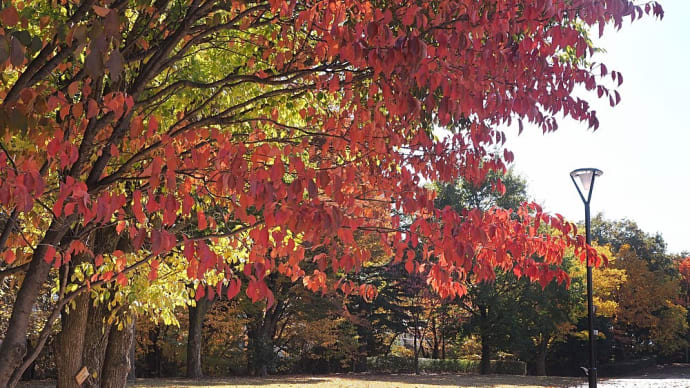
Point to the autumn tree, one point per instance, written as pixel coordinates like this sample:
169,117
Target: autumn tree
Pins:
648,317
650,247
684,270
545,316
490,301
296,117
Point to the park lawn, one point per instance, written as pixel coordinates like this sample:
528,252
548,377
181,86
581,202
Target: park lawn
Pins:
367,381
352,381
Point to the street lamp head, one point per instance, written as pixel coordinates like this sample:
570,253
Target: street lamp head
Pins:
586,177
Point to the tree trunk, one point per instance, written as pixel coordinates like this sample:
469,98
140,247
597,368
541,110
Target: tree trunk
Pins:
541,363
261,353
132,375
416,347
542,349
443,344
196,320
13,346
96,343
117,361
70,342
435,338
261,350
485,363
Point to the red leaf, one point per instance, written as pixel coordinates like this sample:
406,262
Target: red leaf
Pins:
77,110
16,52
9,16
9,256
50,254
122,279
101,11
137,208
200,292
73,89
153,274
234,287
153,125
170,210
201,219
4,49
92,109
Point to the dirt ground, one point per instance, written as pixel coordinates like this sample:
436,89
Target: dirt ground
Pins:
375,381
669,376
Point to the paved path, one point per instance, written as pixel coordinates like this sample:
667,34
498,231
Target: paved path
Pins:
666,376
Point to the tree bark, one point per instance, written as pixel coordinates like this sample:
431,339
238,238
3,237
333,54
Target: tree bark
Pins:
132,375
435,337
541,363
542,349
194,339
443,344
70,342
261,353
416,347
117,362
13,346
485,363
95,343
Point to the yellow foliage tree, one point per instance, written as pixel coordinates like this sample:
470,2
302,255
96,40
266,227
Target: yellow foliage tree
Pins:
647,315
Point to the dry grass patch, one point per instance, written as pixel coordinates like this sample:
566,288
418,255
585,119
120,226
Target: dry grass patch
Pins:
367,381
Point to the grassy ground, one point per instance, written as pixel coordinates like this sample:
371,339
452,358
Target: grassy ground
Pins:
353,381
662,376
368,381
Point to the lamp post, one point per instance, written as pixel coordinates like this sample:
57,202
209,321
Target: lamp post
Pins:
587,177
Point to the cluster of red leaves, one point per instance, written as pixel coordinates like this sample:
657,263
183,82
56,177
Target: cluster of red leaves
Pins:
392,73
684,269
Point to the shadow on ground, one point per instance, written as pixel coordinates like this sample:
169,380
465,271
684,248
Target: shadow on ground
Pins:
668,376
368,381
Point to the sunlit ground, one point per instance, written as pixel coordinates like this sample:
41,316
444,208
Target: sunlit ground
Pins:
669,376
373,381
357,381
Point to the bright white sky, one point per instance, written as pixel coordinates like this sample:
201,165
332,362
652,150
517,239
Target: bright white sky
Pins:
642,145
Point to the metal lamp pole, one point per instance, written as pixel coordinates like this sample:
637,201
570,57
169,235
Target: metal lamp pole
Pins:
587,177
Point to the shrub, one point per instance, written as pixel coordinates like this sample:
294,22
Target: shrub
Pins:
393,364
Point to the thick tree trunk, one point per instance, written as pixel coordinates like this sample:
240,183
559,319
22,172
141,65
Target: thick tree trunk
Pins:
196,320
96,343
153,357
542,349
13,347
70,342
485,363
117,362
261,353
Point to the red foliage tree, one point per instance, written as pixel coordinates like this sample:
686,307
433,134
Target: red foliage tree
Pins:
316,121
